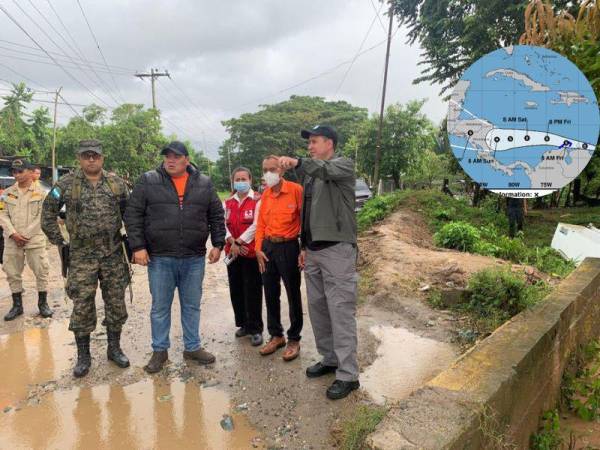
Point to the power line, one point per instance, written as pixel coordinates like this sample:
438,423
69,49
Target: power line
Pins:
50,56
193,104
47,63
153,75
358,52
120,69
378,16
99,49
308,80
24,77
204,120
61,49
74,51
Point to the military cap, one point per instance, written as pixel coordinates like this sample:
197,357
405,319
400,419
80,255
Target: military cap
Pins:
20,164
90,145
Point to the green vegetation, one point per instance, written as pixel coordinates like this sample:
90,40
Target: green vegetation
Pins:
501,294
353,431
483,230
458,235
131,135
549,437
582,391
377,209
275,129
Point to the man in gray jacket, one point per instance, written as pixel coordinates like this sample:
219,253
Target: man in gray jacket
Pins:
329,256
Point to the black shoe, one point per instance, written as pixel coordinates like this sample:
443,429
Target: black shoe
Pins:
45,310
17,307
319,369
157,361
84,359
340,389
256,339
114,352
241,332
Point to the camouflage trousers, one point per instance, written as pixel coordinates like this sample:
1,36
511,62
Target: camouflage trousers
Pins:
86,269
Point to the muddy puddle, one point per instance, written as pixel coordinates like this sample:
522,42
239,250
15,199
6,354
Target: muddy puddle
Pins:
150,414
33,356
405,361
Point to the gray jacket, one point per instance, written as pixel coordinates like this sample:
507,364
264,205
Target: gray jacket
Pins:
332,216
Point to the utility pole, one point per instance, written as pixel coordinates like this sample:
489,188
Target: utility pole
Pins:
229,164
54,170
153,75
381,111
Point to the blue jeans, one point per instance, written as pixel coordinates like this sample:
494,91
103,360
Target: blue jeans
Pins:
166,273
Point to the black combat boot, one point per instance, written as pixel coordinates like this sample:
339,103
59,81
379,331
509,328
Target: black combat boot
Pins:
17,307
84,359
114,352
45,310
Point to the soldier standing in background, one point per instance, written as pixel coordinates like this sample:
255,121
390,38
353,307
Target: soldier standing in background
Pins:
95,202
516,209
20,220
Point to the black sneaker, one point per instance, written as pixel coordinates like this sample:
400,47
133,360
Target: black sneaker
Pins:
319,369
241,332
256,339
340,389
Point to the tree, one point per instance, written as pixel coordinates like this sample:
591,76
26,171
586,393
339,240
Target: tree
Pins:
576,35
42,135
15,135
455,33
275,129
428,166
406,133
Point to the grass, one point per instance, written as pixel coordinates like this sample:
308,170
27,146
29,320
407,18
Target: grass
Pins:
454,219
541,224
354,430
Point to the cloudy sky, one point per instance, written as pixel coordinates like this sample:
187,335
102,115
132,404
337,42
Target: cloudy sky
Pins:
224,57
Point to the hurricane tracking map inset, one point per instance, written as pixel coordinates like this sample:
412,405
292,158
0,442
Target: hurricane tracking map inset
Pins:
523,121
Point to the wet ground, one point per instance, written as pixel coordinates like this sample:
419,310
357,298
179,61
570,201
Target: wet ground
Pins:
242,401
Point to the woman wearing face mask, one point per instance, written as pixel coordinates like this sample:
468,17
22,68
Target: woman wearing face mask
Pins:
245,286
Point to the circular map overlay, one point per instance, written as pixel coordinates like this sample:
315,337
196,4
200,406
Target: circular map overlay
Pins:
523,121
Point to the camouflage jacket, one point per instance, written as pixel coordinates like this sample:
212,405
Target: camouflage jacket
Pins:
93,213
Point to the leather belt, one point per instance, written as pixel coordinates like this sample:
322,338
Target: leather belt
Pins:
279,239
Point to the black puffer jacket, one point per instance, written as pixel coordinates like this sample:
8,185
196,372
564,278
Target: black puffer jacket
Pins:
155,221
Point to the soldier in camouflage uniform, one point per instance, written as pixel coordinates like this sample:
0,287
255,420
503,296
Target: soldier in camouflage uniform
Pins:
95,202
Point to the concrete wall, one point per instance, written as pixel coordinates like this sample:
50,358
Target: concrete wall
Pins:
495,393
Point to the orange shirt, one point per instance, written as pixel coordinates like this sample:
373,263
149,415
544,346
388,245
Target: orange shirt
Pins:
180,183
279,214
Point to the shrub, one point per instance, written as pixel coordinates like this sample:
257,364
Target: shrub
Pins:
550,261
458,235
549,437
376,209
499,290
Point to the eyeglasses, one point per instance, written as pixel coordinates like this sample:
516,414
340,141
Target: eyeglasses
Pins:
90,156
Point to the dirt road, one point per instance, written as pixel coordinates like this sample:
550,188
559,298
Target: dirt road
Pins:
270,403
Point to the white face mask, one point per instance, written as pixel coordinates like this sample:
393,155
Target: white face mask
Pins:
271,178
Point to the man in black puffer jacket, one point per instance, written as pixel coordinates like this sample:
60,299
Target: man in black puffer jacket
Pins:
169,217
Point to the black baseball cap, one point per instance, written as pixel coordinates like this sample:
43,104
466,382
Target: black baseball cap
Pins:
175,147
20,164
321,130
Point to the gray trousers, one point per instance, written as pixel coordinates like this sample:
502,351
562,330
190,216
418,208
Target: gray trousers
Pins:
331,287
